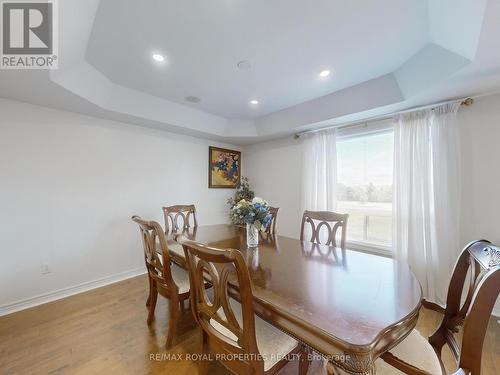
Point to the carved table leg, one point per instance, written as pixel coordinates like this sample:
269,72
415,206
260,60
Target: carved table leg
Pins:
355,364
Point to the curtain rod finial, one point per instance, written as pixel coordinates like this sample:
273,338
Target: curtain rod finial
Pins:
468,102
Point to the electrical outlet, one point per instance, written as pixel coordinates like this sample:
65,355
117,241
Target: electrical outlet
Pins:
45,269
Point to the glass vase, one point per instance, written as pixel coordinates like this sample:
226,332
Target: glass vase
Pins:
252,236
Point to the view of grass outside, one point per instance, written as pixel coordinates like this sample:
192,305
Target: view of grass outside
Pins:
365,167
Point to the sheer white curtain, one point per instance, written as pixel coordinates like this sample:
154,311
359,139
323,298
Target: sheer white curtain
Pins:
427,196
319,171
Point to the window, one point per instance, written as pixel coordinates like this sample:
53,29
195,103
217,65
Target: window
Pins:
365,166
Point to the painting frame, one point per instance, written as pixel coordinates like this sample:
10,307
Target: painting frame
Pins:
231,185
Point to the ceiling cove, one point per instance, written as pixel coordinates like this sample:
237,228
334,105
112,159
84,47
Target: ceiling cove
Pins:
250,70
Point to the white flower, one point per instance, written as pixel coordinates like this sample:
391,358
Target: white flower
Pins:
259,200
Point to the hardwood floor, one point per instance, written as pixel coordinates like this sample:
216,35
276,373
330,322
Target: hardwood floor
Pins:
104,331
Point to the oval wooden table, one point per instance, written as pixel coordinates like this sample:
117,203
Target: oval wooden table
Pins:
348,305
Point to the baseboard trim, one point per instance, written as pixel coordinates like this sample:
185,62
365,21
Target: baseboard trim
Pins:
68,291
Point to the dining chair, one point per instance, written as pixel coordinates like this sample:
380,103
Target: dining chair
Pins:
172,214
186,214
319,219
415,355
231,329
166,279
271,227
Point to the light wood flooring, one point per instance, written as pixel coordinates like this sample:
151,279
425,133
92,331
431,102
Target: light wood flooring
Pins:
104,331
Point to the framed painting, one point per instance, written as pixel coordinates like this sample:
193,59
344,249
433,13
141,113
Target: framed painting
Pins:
224,168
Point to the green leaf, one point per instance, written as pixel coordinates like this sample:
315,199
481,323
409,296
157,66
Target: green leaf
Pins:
258,224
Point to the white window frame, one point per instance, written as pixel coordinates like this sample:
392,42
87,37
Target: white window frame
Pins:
357,131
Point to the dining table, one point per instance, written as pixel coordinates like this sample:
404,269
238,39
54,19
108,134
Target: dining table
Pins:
348,305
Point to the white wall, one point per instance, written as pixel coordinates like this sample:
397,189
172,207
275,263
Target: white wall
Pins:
274,169
68,187
481,170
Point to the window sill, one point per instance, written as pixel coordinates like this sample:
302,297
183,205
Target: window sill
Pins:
371,248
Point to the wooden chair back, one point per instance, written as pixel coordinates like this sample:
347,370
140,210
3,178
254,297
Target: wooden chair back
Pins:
330,220
184,213
158,267
271,227
218,266
481,261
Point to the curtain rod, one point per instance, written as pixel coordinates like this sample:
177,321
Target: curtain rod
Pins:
464,101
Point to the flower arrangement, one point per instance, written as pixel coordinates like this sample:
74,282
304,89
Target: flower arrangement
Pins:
254,212
243,191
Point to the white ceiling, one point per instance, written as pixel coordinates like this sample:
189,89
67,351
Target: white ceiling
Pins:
287,42
384,56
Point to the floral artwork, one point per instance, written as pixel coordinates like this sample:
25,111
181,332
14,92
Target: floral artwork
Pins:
224,168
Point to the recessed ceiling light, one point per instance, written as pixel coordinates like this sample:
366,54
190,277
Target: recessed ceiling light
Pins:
244,65
254,102
158,57
324,73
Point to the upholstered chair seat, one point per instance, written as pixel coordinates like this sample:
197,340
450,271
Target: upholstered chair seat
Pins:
273,344
176,248
415,350
180,275
181,278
